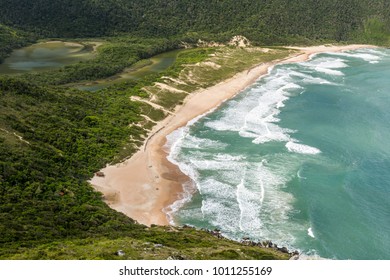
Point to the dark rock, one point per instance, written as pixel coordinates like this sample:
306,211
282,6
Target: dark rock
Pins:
176,257
283,250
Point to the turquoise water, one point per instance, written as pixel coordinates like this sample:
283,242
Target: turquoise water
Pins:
301,158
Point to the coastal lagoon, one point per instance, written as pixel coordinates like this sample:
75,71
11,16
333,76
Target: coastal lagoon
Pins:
53,55
301,158
141,69
44,56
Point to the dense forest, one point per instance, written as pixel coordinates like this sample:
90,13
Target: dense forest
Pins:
264,21
45,165
44,193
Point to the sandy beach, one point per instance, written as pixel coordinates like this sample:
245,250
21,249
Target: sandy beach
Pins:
142,186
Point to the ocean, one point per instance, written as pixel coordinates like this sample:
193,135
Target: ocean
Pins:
301,158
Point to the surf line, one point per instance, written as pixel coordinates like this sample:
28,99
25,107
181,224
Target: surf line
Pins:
170,185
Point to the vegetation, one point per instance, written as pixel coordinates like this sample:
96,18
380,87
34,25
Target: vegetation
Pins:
52,141
262,21
10,39
54,137
204,67
112,57
375,32
155,243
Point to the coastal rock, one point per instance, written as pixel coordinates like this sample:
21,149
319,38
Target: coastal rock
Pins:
176,257
120,253
268,244
239,41
283,250
100,174
294,258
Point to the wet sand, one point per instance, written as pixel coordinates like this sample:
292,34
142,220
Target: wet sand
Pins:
147,183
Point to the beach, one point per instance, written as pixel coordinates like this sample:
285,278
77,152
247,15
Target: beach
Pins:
144,185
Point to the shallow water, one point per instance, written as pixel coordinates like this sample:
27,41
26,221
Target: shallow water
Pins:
157,64
44,56
301,158
53,55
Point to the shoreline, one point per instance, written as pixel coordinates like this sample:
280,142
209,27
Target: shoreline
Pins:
147,183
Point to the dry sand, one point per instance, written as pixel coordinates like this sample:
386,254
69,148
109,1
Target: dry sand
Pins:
142,186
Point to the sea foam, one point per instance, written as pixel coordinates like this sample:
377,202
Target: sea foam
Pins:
369,57
310,232
301,149
329,66
251,115
248,167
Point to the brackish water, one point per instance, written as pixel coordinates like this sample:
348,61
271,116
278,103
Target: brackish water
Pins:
157,63
44,56
53,55
301,158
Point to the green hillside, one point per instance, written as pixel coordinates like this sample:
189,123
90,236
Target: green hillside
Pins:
48,210
264,21
54,137
11,38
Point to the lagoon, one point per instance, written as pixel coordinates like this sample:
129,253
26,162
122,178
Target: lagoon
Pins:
139,70
45,56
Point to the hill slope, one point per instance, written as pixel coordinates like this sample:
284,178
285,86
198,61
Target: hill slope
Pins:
44,165
11,38
265,21
52,139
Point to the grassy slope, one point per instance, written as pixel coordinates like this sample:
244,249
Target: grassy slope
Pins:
155,243
201,68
